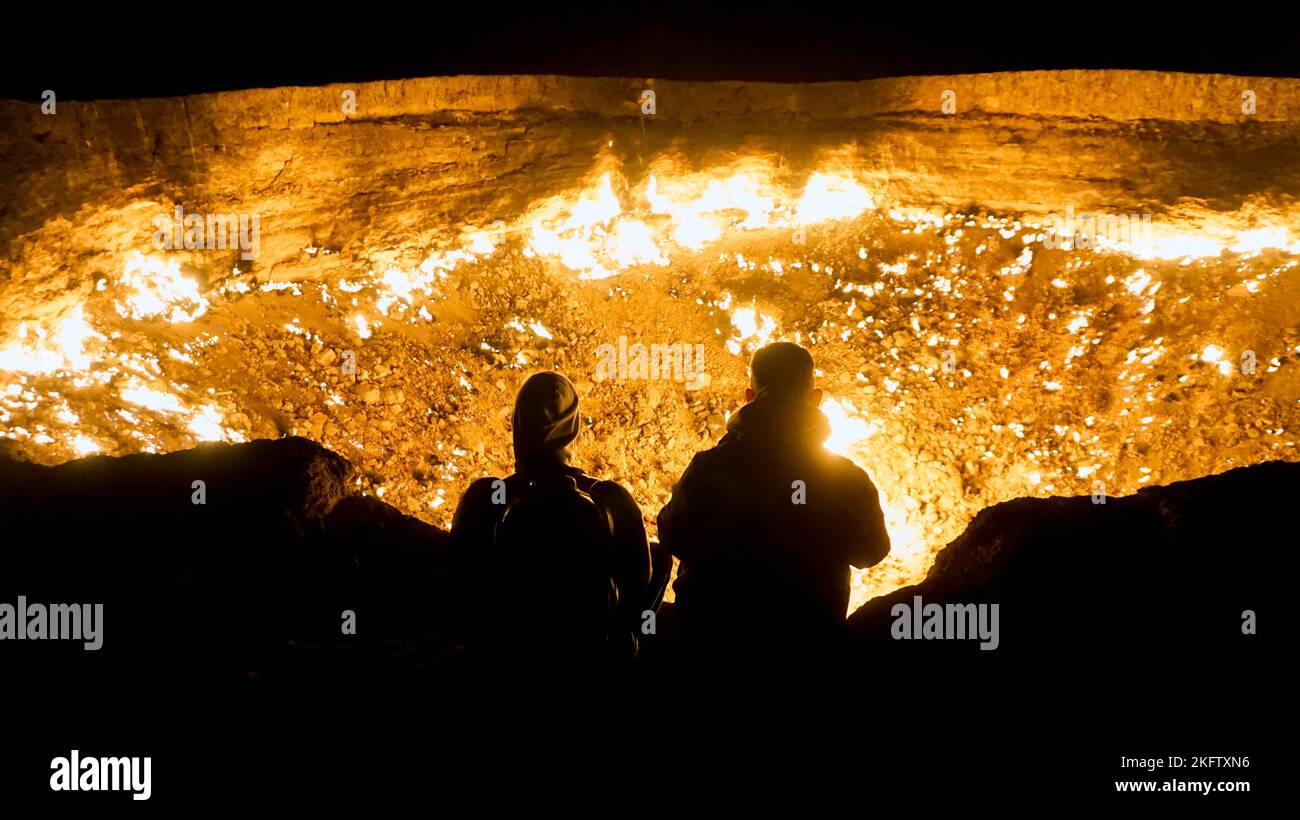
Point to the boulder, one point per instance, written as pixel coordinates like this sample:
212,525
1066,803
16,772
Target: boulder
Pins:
222,556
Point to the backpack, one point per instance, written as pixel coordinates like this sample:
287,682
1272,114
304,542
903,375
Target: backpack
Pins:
552,549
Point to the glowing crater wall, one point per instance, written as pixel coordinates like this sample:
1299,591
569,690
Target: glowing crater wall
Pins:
456,234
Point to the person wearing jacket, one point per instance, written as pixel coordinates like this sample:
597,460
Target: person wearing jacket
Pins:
767,524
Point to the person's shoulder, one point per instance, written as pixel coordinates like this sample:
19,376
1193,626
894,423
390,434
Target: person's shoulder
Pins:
720,453
705,468
482,485
476,507
607,489
482,490
614,497
848,471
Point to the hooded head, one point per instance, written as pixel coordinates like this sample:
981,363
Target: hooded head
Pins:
545,421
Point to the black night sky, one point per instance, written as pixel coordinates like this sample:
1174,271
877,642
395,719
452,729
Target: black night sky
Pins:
172,51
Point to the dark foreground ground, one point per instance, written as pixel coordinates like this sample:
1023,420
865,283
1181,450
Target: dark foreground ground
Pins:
222,660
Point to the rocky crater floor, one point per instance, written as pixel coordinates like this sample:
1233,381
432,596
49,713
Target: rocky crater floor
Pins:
418,257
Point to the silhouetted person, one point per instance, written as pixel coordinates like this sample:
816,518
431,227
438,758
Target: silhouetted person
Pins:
558,559
767,524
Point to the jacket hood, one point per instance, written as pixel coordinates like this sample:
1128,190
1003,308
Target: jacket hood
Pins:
779,419
545,420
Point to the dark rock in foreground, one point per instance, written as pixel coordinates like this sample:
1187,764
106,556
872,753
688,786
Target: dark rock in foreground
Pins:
1120,628
1164,573
268,563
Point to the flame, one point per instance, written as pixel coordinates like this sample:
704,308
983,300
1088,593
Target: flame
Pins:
155,287
362,327
907,545
205,422
39,352
1164,243
1176,246
599,236
208,425
598,209
84,445
848,429
753,329
633,243
692,215
1261,239
1213,354
138,394
832,197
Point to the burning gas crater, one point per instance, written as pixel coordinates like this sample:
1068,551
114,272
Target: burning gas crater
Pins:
966,361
